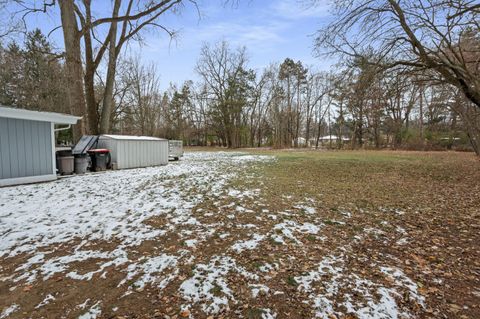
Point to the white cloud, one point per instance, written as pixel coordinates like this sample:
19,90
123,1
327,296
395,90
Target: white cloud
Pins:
250,35
299,9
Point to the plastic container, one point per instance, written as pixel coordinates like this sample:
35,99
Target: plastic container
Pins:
65,165
81,164
100,159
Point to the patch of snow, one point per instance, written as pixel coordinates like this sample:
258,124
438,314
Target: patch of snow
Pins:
345,213
115,205
232,204
153,269
247,226
330,285
323,306
250,193
402,280
56,265
191,242
306,209
84,304
385,308
328,265
9,310
45,301
268,314
257,289
394,211
209,286
248,244
269,267
278,239
289,227
92,313
374,231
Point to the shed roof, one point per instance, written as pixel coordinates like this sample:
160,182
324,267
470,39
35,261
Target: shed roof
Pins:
23,114
132,137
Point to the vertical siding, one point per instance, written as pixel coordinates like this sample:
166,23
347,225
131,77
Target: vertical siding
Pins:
25,148
136,153
4,156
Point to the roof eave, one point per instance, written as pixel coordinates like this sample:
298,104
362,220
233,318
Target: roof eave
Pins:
22,114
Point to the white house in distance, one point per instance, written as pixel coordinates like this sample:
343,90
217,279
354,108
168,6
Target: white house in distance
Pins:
27,145
327,139
333,138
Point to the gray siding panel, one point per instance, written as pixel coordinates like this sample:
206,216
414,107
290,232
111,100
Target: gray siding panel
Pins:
12,147
22,155
4,157
136,153
25,148
28,131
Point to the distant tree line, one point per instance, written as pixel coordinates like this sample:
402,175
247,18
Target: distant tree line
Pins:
284,105
408,77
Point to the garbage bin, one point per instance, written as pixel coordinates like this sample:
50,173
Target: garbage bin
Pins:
81,163
100,158
65,165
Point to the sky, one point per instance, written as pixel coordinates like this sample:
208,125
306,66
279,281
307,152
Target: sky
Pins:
270,30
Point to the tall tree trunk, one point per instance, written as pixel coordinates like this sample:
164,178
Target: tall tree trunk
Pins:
73,65
111,70
297,114
341,124
422,139
89,80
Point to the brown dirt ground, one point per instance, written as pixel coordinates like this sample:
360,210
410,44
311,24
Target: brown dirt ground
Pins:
436,193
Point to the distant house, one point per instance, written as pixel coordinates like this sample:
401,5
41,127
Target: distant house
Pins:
301,142
327,139
27,145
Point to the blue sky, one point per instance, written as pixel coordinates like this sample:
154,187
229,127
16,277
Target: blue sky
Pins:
270,30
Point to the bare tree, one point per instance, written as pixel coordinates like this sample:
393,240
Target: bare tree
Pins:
439,35
124,23
226,77
143,98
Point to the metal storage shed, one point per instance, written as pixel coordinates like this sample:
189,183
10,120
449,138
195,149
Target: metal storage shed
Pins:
135,151
27,145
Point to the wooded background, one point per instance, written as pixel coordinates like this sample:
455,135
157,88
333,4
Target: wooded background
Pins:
408,76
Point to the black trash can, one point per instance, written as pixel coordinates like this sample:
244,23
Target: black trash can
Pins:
100,159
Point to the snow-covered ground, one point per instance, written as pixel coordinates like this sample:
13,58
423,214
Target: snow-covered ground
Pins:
54,226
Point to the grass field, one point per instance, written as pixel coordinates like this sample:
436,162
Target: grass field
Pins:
275,234
424,208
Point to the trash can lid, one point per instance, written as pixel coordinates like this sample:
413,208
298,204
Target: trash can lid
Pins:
99,150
